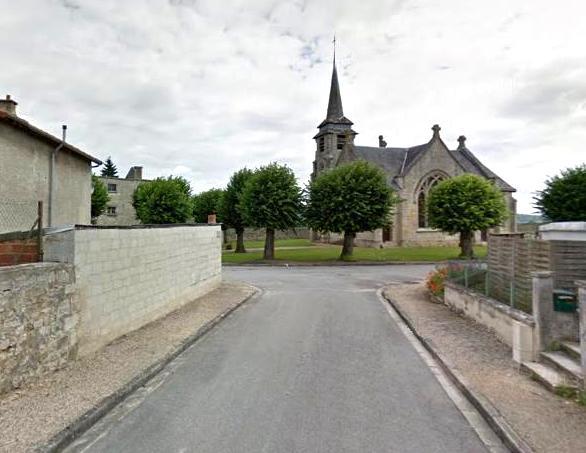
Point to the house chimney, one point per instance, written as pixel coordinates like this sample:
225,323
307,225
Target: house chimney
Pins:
381,142
134,173
8,105
461,143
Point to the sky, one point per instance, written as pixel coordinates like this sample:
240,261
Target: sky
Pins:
202,88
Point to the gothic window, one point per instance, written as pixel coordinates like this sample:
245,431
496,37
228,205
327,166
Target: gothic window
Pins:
421,211
341,141
422,194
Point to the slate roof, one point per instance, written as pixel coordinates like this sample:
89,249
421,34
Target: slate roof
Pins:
19,123
398,161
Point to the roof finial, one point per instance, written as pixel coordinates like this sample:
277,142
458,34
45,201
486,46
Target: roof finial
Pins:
436,130
461,142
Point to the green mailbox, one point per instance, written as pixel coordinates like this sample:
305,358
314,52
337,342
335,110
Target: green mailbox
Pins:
564,300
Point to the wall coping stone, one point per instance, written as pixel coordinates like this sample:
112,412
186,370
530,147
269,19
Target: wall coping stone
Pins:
32,266
517,315
64,228
17,235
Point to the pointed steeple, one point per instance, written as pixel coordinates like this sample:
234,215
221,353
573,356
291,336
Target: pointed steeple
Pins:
335,110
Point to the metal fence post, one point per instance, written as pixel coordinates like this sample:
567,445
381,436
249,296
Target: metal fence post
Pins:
40,230
486,283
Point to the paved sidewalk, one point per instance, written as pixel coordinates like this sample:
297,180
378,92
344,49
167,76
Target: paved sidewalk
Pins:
32,415
547,422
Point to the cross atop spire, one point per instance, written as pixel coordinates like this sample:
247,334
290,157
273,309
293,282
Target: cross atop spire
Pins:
334,43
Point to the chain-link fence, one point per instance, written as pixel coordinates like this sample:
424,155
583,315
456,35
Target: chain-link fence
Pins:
17,215
507,288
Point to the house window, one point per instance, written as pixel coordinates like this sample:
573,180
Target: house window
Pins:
422,194
112,188
341,141
111,210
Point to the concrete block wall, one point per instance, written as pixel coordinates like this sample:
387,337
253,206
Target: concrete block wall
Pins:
128,277
39,317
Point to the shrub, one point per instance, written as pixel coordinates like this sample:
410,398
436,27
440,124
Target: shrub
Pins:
435,282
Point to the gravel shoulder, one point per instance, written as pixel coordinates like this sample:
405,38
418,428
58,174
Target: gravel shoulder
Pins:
31,415
547,422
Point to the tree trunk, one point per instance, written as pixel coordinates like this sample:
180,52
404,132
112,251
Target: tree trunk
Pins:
348,247
467,244
270,244
240,241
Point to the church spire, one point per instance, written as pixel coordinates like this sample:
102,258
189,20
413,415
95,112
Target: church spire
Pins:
335,111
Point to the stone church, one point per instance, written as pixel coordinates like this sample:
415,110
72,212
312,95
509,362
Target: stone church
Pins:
411,171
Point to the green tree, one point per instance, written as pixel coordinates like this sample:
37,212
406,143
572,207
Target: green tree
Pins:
163,200
271,199
100,197
465,204
349,199
109,169
230,209
564,196
206,203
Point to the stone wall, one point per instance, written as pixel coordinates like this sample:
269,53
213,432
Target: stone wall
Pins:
258,234
39,315
130,276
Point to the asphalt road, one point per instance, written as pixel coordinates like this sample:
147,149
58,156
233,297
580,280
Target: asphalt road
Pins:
313,365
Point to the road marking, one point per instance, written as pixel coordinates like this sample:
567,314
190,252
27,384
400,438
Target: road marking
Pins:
480,426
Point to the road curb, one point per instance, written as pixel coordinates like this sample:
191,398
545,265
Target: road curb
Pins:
67,435
330,263
487,410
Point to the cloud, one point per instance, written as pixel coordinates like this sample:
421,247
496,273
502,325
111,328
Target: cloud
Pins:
207,87
554,92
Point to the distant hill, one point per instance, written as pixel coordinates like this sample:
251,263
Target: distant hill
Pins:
529,218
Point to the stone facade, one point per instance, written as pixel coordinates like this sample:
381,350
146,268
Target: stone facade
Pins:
128,277
25,175
119,210
39,317
411,172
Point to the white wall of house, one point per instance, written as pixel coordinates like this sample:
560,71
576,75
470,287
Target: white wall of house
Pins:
24,178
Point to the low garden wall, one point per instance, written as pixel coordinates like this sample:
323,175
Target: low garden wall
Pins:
258,234
130,276
39,318
514,327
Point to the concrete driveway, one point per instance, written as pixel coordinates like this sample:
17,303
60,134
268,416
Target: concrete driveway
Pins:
315,364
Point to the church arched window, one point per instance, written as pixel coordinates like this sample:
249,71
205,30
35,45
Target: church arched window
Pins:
427,183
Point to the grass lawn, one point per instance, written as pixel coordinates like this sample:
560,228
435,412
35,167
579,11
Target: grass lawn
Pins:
332,253
278,243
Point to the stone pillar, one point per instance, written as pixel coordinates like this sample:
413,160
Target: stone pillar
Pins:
523,342
542,301
581,284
